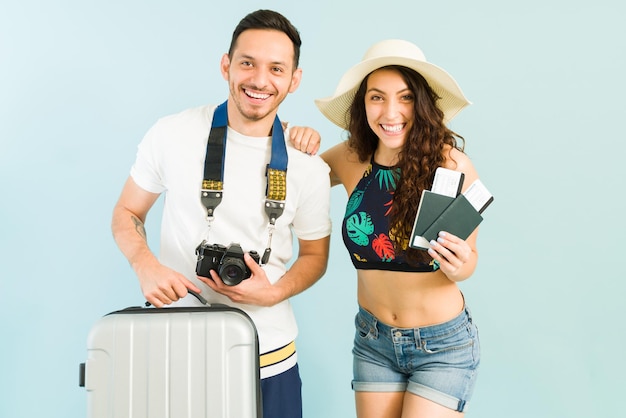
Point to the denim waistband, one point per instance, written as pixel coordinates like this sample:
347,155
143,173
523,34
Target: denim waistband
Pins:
430,331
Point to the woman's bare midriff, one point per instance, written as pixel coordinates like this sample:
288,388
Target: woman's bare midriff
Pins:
409,300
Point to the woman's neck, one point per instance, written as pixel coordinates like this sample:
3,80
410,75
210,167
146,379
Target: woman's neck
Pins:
387,157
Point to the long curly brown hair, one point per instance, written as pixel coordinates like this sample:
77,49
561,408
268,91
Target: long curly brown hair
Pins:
422,153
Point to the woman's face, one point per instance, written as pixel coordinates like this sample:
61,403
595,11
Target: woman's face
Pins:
389,107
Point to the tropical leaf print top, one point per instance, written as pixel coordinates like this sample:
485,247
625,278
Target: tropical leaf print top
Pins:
365,227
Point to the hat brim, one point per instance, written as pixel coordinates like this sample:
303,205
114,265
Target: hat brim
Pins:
335,107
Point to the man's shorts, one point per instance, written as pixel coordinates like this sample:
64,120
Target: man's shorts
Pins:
282,395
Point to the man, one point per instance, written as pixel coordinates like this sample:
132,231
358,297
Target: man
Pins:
261,68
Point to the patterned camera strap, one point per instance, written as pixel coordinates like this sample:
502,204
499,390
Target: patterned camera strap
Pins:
276,172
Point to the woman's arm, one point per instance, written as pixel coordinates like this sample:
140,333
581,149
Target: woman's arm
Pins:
457,258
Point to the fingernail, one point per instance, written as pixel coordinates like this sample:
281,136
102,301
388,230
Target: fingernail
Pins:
433,242
442,234
439,239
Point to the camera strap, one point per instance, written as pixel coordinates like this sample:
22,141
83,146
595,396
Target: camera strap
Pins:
276,172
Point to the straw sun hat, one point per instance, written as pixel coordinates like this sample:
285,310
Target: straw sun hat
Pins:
392,52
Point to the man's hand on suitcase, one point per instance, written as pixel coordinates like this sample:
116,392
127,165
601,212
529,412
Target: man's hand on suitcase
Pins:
161,285
256,290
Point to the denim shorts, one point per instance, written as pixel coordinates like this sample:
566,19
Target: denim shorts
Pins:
437,362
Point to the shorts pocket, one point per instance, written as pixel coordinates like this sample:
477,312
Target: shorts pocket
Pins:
457,339
364,328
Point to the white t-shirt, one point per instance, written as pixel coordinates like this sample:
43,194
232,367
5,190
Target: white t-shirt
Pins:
170,159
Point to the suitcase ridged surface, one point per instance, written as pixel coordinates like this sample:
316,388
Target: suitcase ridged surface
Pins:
173,363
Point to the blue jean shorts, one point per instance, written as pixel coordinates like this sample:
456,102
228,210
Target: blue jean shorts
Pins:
437,362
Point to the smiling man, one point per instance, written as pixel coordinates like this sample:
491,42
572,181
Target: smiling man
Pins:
232,181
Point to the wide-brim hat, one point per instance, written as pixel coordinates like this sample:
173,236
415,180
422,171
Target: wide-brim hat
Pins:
392,52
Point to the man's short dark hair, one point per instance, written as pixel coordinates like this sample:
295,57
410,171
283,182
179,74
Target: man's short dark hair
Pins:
269,19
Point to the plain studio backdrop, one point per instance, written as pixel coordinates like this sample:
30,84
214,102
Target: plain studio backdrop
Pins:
82,81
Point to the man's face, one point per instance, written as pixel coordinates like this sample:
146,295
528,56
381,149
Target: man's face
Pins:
260,74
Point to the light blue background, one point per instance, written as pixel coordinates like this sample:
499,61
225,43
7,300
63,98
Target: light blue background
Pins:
81,82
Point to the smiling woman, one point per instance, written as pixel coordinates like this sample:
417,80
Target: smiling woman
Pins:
389,111
412,315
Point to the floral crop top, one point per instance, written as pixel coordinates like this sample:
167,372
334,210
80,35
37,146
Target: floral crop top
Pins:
365,226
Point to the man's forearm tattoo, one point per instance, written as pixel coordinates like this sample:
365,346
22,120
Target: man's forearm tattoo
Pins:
141,230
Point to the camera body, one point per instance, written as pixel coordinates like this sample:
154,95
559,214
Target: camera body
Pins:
227,261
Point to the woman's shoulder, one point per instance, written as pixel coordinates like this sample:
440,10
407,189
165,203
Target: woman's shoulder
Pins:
457,160
341,155
344,163
454,158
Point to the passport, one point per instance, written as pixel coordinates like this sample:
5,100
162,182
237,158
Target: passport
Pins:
456,215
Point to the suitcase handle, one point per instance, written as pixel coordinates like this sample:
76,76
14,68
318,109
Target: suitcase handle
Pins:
199,297
191,292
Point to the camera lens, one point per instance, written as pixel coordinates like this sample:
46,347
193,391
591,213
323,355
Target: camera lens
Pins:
232,271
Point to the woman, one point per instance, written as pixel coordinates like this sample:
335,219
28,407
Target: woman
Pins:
416,348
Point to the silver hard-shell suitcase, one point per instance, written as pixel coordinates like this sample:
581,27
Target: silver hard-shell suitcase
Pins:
200,362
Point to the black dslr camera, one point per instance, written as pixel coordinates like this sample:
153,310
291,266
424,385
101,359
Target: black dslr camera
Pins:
226,261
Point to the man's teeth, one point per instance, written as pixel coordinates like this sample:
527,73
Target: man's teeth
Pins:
392,128
257,95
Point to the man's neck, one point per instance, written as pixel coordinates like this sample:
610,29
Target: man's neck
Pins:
250,127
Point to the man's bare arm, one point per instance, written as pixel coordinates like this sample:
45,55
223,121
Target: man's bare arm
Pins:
308,268
160,285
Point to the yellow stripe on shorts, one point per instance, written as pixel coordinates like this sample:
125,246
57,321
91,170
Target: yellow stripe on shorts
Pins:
276,356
